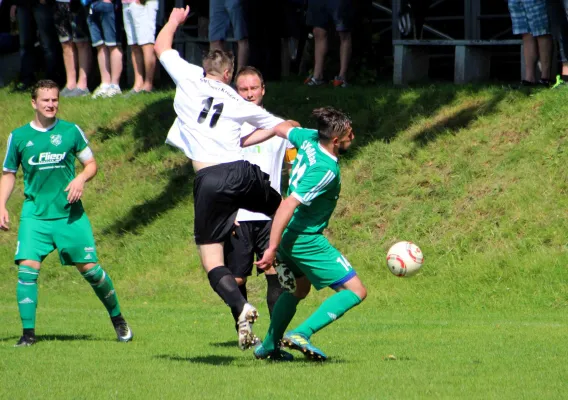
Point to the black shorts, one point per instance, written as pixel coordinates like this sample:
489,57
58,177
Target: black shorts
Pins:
246,241
220,190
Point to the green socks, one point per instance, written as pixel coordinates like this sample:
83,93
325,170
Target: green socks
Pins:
283,312
330,310
26,294
104,289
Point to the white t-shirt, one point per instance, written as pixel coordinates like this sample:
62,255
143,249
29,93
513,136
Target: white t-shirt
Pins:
269,156
209,114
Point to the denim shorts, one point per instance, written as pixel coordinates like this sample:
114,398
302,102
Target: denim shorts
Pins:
105,23
323,13
71,22
140,22
529,16
226,13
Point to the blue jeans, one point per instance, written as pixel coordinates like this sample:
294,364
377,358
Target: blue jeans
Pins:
38,16
558,14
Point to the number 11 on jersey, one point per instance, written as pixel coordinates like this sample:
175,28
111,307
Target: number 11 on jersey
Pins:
207,103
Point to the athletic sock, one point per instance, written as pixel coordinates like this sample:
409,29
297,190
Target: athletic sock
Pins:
26,294
104,289
224,284
243,290
330,310
235,312
284,311
273,291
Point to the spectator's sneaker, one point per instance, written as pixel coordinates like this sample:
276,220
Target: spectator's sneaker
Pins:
297,341
78,92
559,82
25,341
66,92
544,82
247,317
113,90
311,81
99,92
339,82
133,92
277,355
123,332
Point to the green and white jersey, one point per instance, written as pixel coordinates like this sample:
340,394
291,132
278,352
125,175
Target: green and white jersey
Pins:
315,182
48,158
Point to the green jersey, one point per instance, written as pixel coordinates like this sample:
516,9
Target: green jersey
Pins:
315,182
47,157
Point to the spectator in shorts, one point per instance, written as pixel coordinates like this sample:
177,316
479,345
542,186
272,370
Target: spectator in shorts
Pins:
530,19
320,14
32,14
222,15
558,16
71,25
105,25
140,26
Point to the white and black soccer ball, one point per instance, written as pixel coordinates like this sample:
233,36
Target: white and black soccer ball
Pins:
404,259
285,277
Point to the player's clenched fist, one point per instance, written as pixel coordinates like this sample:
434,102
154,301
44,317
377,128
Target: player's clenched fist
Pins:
4,219
179,15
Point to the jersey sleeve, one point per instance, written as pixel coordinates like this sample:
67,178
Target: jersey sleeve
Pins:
81,141
313,183
178,68
296,136
256,116
12,158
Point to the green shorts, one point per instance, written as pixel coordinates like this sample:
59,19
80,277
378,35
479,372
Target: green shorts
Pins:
72,237
314,257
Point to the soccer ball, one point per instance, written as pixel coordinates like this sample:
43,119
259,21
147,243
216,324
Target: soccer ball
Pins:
404,259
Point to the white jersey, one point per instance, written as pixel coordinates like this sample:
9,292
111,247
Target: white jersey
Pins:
269,156
209,114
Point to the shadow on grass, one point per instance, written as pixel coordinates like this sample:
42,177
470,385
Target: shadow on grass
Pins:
211,360
227,344
66,338
179,187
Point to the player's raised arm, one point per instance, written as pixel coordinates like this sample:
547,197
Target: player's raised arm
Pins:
260,135
166,36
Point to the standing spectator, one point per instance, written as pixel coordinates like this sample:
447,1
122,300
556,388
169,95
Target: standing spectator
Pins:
320,14
222,15
558,15
71,24
140,26
530,20
105,25
32,15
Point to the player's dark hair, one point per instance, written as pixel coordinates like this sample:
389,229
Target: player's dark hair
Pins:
43,84
331,122
217,61
250,70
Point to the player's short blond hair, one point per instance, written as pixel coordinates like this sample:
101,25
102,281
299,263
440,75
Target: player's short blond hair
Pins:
216,62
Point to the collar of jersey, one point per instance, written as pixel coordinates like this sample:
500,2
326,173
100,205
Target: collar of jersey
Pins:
327,152
44,129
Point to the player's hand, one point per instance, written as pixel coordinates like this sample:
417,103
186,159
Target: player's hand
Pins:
267,259
179,15
295,124
4,219
75,189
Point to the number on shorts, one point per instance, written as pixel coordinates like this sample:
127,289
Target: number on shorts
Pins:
205,112
343,261
18,247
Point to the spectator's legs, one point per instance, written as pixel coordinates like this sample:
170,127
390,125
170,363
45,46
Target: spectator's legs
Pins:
243,53
531,56
320,50
137,66
84,53
115,64
103,59
43,14
545,54
149,66
344,53
70,61
27,39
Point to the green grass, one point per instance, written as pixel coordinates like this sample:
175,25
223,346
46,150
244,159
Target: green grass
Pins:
474,175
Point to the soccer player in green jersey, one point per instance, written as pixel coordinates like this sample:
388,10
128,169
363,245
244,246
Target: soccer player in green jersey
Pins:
297,236
52,215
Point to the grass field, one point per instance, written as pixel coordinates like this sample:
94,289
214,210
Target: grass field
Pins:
474,175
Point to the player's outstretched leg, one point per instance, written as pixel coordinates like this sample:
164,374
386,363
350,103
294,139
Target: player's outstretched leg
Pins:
276,355
26,295
284,311
104,289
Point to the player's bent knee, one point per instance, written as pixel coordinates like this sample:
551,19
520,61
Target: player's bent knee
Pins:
241,281
30,263
303,286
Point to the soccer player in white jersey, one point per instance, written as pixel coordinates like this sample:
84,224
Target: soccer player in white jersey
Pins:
250,236
208,129
53,215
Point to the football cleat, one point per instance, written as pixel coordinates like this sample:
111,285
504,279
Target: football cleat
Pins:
26,341
277,355
246,319
297,341
123,331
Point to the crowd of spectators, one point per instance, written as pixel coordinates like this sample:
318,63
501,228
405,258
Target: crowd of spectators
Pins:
65,40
